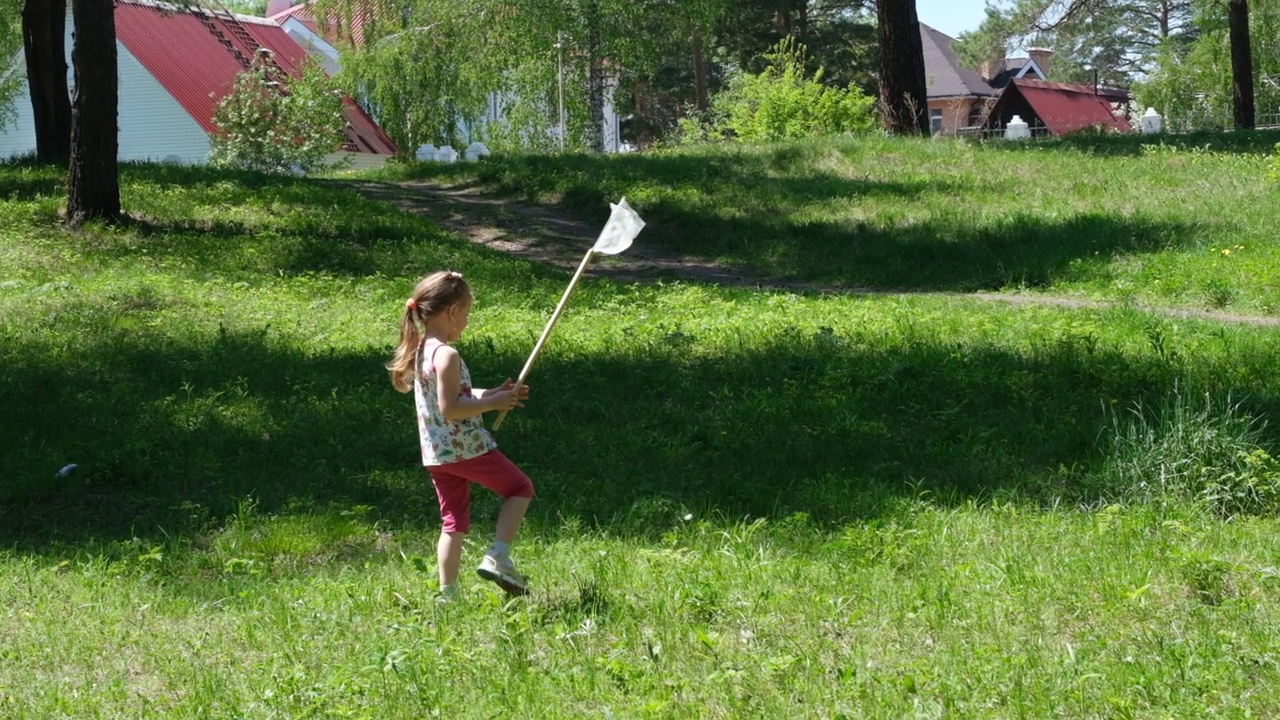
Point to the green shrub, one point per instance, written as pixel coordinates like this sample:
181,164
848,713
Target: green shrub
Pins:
1207,452
271,124
784,102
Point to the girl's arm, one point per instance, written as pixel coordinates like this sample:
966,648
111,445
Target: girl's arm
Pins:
448,367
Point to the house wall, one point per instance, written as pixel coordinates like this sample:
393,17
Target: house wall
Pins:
317,48
153,126
955,113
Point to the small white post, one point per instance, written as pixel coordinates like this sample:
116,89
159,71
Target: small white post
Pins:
1017,129
447,154
426,153
1151,122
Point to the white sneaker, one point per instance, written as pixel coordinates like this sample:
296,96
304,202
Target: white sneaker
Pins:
503,572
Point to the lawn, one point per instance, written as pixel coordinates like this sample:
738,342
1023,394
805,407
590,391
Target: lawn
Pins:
1183,221
750,504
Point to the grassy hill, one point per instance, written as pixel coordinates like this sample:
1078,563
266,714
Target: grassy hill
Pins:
750,504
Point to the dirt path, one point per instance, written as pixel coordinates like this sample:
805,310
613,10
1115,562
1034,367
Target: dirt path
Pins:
552,238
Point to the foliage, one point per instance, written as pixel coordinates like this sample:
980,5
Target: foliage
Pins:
11,78
1119,40
433,70
1192,449
1192,85
785,102
271,123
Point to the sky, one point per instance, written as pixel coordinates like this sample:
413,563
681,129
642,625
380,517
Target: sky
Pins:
951,16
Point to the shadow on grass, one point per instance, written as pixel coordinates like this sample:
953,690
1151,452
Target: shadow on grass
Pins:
961,255
822,424
24,179
776,214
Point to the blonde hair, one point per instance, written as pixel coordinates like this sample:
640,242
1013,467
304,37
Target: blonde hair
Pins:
434,294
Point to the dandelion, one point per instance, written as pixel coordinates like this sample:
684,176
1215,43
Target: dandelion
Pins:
1226,251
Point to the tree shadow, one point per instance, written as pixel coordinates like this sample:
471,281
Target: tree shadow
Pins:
828,424
1019,250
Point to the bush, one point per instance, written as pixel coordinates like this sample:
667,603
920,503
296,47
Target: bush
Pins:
784,102
1206,452
280,125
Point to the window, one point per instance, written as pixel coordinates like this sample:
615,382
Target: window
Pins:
935,120
975,114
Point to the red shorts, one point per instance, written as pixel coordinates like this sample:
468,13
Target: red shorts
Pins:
453,485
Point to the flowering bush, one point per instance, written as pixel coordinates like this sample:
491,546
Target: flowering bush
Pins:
273,124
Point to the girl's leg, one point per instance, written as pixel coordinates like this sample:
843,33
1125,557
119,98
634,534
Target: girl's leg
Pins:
449,556
510,517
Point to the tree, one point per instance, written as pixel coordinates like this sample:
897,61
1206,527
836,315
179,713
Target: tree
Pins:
44,45
1241,64
1112,41
94,184
275,124
902,80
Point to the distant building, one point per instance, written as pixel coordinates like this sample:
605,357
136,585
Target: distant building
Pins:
1058,108
174,64
959,98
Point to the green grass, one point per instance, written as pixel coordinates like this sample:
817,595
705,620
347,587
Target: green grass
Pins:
749,504
1186,221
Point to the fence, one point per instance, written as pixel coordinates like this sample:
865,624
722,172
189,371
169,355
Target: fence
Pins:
1265,120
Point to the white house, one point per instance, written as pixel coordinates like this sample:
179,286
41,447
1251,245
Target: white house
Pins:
174,64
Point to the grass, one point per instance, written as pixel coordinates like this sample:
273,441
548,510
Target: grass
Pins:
1185,221
749,504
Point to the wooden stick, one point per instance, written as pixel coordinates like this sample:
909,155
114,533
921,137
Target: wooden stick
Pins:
547,331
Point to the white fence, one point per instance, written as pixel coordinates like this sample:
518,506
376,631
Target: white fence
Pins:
1035,129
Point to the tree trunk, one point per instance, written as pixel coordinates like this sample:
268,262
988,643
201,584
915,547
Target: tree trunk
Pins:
700,92
595,79
902,82
44,44
94,185
1241,64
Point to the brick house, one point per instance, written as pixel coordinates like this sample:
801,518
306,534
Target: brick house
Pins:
960,98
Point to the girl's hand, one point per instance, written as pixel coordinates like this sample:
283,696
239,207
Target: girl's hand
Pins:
509,395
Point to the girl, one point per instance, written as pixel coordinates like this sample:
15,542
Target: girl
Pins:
456,448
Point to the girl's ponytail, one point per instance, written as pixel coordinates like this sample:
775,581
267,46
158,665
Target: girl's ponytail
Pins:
434,294
404,363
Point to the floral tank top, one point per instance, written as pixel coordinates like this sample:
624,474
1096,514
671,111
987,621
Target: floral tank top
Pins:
445,441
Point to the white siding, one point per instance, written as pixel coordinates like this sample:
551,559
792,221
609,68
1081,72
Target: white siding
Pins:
153,126
19,137
317,49
358,160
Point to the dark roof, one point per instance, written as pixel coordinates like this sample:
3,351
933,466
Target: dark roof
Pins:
943,74
1063,108
1012,66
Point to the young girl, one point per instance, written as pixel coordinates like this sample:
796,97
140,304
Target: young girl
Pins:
456,448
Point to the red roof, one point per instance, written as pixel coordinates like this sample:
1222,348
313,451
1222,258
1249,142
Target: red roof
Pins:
334,30
195,55
1065,108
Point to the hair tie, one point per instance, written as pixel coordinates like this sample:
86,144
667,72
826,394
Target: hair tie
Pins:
454,275
410,305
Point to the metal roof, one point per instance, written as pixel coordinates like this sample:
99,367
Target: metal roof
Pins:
196,55
1065,108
